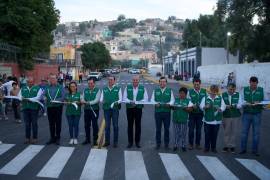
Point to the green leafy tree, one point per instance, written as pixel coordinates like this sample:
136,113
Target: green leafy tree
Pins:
121,17
95,55
28,25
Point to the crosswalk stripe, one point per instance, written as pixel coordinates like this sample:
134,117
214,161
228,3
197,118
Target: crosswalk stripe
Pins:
5,147
95,165
134,166
175,167
57,162
21,160
216,168
256,168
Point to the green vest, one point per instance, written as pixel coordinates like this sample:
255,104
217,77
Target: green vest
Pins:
50,98
140,96
29,93
179,114
110,96
251,97
90,95
71,110
196,98
234,111
211,114
162,98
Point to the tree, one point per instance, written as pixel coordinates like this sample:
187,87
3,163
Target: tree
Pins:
121,17
28,25
82,27
95,55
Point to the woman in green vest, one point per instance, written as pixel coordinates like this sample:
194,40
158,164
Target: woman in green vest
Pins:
213,106
73,114
182,106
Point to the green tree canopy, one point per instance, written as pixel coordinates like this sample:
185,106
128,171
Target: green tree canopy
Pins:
28,25
95,55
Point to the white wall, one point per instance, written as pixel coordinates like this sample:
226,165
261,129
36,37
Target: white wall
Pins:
154,68
215,74
217,56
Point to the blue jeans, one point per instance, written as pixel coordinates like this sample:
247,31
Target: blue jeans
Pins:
253,120
111,114
73,124
30,119
164,117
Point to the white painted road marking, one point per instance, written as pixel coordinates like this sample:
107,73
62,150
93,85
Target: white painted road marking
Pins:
256,168
21,160
216,168
5,147
95,165
175,167
57,162
134,166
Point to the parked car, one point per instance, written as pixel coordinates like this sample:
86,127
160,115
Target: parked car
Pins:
135,71
115,71
95,75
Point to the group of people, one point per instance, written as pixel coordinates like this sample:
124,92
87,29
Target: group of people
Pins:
190,108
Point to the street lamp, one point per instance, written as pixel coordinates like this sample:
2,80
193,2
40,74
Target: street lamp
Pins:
228,39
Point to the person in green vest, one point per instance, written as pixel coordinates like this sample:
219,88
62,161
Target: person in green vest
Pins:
253,95
163,98
134,93
231,116
73,114
196,115
212,106
111,98
30,109
91,97
182,107
54,92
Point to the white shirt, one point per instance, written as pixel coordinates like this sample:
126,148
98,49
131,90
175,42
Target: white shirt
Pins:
162,90
96,100
135,93
240,101
38,97
119,95
223,107
8,85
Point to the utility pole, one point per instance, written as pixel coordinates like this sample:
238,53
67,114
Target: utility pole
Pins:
200,39
161,55
228,42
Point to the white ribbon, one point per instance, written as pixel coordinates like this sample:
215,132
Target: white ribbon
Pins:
29,99
60,102
260,103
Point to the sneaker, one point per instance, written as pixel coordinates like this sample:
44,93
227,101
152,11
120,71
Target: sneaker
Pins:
1,142
71,141
232,150
44,114
243,152
225,149
75,141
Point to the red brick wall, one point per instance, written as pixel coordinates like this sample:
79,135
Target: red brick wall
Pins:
40,71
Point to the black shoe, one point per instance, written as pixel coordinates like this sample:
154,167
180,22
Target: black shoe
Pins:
57,141
138,145
214,150
225,149
95,143
206,150
106,144
115,145
175,148
51,141
255,153
184,149
129,145
243,152
232,150
166,146
85,142
157,146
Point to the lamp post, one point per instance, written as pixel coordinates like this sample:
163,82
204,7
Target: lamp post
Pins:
161,55
228,42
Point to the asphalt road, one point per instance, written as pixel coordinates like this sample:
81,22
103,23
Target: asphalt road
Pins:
74,162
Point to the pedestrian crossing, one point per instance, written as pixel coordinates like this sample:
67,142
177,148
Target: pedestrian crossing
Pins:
134,164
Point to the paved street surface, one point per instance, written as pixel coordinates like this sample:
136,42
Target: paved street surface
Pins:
19,161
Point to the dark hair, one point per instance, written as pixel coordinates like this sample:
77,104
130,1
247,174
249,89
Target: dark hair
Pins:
231,85
14,83
253,79
183,89
162,77
112,77
197,80
72,82
214,87
92,79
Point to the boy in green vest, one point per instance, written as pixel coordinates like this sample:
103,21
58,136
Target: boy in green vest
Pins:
73,115
213,106
253,95
196,115
91,97
54,92
231,115
163,98
30,109
111,98
182,106
134,93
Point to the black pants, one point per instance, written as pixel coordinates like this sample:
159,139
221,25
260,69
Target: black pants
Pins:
55,121
89,118
211,132
16,109
165,118
134,115
195,123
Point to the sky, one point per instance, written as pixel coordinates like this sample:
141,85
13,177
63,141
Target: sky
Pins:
105,10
